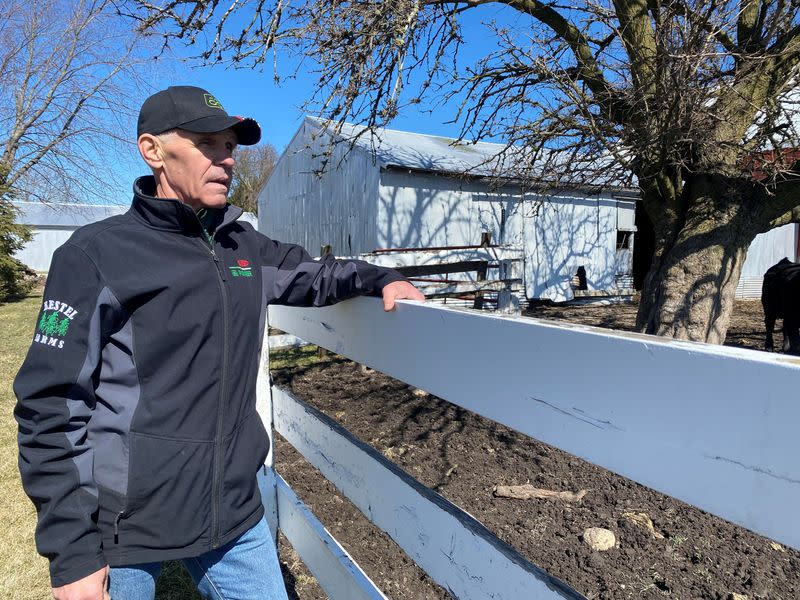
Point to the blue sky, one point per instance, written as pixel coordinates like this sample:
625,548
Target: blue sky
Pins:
277,108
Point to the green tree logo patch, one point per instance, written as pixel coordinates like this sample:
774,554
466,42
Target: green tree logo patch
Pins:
54,323
51,325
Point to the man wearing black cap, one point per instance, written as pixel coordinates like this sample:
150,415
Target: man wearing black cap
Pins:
139,441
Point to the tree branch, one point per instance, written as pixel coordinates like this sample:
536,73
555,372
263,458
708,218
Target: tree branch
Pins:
588,67
792,216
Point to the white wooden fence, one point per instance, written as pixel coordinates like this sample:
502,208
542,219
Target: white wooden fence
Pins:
713,426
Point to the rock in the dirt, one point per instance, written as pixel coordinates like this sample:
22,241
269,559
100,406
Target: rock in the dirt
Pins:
643,521
419,393
529,492
735,596
599,539
777,546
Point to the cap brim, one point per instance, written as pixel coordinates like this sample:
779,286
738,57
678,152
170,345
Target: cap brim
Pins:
248,131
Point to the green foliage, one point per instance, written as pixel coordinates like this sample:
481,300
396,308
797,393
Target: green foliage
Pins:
16,280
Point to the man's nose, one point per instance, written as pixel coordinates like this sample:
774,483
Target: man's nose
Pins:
226,160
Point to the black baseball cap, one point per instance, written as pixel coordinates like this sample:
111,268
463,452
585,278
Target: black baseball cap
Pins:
193,109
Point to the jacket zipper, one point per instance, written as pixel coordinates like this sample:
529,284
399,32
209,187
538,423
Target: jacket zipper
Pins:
116,525
216,485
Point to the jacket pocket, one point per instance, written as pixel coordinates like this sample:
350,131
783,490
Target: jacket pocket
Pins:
245,451
169,492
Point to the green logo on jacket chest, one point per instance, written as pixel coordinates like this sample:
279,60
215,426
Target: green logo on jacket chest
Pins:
242,269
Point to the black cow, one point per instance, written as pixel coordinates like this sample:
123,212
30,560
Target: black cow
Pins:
780,297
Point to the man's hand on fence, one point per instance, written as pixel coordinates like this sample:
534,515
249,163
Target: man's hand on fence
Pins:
91,587
400,290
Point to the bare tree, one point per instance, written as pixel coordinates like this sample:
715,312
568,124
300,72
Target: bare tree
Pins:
692,100
254,165
70,83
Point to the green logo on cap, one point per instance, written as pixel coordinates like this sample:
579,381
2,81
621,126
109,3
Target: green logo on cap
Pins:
212,102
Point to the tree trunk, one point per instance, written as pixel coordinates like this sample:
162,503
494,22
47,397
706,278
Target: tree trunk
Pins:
689,291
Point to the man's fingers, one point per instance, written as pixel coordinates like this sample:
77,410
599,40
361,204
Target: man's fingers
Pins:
400,290
106,582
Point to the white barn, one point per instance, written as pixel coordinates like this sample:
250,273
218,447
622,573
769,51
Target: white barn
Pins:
53,224
767,249
407,190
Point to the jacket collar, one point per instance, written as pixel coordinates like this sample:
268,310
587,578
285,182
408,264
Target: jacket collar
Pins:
170,213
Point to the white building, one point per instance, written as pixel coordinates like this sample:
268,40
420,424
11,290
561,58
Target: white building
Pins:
53,224
767,249
407,190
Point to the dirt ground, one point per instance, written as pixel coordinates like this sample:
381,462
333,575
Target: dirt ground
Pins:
687,554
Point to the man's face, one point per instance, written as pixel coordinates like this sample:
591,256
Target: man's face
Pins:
197,167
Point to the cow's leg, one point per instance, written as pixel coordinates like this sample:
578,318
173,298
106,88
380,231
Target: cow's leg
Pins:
769,322
791,334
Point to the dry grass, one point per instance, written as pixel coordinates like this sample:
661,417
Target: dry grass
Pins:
24,574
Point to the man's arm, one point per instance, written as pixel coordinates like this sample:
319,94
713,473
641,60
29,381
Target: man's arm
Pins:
55,399
295,278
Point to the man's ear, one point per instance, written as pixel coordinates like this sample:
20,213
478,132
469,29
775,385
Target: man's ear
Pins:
151,150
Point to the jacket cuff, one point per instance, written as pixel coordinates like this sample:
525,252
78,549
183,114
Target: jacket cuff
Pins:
59,577
388,276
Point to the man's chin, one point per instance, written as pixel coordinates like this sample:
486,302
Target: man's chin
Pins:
215,201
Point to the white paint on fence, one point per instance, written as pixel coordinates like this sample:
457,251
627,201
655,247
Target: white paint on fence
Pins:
713,426
457,551
284,340
264,410
334,568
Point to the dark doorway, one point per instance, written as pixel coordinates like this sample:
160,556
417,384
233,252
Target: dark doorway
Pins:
643,247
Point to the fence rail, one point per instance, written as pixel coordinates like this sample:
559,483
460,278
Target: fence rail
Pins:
712,426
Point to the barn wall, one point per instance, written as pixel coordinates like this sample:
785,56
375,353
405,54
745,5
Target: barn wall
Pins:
297,205
52,225
38,253
559,232
767,249
417,210
567,230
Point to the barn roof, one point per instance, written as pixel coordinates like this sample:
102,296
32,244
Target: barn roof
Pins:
438,154
64,215
423,152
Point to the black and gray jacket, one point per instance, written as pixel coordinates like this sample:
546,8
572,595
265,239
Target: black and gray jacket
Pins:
138,433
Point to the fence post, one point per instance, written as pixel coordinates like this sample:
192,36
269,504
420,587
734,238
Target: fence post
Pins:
507,301
486,241
267,483
324,249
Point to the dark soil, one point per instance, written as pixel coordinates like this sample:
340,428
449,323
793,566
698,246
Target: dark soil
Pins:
688,555
746,330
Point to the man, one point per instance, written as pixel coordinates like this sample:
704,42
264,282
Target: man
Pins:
139,441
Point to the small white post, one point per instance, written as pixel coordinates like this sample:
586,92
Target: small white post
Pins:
267,482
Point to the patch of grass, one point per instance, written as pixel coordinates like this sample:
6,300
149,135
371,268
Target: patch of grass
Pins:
304,356
24,574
